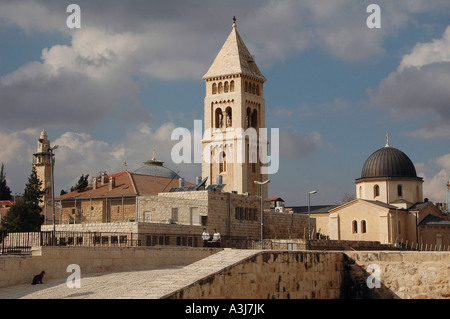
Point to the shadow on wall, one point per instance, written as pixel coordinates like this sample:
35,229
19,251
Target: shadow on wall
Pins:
357,283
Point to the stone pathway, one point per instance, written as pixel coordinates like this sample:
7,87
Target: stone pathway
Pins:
130,285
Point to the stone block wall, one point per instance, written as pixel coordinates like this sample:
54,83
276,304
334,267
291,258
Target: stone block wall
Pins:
406,274
16,270
273,275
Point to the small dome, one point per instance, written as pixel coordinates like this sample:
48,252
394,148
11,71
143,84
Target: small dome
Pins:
154,167
388,162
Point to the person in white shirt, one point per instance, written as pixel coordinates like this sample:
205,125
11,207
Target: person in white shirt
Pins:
216,238
205,237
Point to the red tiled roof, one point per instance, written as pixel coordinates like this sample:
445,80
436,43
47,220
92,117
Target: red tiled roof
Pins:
126,184
6,203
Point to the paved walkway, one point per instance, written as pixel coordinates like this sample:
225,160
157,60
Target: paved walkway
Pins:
130,285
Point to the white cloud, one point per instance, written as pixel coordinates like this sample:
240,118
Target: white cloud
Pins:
297,145
423,54
419,88
436,174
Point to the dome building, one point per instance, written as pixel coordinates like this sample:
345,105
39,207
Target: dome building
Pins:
389,176
155,167
389,206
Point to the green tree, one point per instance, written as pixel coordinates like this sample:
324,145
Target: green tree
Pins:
81,184
25,214
5,192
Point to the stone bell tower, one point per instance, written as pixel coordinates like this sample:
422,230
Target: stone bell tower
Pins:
235,110
42,164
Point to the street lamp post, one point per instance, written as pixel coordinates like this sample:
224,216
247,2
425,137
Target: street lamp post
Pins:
309,213
262,208
52,163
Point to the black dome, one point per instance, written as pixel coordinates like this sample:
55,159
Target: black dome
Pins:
388,162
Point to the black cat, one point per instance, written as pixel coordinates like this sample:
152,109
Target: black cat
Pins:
38,278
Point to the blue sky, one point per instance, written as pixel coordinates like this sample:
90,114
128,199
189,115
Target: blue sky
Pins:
117,87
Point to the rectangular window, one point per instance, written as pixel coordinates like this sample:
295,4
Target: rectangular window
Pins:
175,215
195,216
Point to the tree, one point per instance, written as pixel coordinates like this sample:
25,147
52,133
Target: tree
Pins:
347,198
25,214
81,184
5,192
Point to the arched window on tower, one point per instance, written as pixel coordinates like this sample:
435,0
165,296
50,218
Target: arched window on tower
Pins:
247,118
246,87
223,163
257,89
253,88
214,88
254,119
219,118
232,86
376,191
228,117
220,88
226,87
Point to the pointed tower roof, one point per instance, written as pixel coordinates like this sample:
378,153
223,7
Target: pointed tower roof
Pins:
234,58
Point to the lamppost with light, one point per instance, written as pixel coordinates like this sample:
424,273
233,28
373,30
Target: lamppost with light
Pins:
52,163
309,213
262,209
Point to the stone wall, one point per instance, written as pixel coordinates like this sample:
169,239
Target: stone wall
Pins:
273,275
16,270
417,275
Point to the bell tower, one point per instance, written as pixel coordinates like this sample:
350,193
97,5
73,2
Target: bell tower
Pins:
234,111
42,164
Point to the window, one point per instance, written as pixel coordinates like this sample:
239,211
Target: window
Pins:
354,227
232,86
360,191
228,117
363,226
219,118
399,191
223,163
175,214
195,216
226,87
214,88
376,191
254,119
220,88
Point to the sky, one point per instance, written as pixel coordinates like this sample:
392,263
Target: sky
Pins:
117,87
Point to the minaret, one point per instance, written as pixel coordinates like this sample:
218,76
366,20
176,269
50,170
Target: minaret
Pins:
41,161
234,107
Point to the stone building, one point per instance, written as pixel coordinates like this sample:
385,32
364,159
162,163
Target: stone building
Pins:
389,206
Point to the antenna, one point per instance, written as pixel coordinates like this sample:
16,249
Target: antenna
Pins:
202,184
